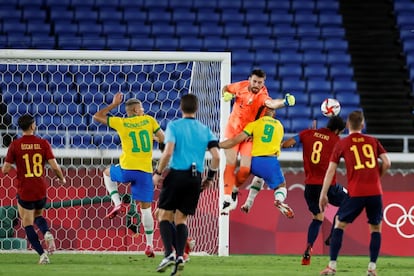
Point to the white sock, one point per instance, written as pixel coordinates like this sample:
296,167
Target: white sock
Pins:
112,188
372,266
332,264
148,223
280,194
255,188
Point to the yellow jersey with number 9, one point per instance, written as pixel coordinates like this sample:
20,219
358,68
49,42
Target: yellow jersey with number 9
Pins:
267,133
136,134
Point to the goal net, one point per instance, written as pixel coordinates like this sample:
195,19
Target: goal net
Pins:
63,89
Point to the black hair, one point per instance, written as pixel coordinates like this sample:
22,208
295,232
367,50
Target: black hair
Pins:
258,72
189,103
25,121
336,123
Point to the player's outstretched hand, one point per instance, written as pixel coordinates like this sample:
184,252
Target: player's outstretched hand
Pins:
227,96
206,183
289,100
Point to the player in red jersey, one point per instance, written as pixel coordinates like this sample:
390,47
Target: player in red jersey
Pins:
366,161
250,99
318,145
29,153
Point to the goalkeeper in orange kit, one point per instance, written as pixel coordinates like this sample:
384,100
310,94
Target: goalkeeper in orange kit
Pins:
250,99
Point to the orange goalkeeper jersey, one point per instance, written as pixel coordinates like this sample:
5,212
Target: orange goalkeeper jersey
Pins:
245,108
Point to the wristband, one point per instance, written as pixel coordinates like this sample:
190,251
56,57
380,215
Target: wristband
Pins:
157,172
211,173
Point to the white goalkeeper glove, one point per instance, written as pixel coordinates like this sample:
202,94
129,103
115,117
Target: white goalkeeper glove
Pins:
289,100
227,96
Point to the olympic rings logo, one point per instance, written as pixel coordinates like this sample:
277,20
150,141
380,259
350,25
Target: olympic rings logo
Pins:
401,220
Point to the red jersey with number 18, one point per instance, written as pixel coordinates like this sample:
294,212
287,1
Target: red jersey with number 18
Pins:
361,153
30,153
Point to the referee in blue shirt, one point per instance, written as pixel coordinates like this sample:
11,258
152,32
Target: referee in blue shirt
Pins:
186,142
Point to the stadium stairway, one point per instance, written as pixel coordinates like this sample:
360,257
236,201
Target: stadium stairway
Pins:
379,67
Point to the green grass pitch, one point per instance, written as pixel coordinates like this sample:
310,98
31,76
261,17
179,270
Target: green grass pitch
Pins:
63,264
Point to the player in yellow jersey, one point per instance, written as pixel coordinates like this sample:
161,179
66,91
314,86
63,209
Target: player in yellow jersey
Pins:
136,132
267,133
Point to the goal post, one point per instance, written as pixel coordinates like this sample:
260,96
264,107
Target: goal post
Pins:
63,89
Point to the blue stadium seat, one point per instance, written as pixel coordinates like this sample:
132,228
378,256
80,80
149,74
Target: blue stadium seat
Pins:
311,44
335,44
69,42
235,29
348,99
87,28
182,3
290,56
201,4
314,57
329,32
214,43
344,86
330,19
316,98
191,43
166,43
37,27
114,28
33,13
284,30
298,124
278,6
243,55
263,44
259,29
43,42
186,28
303,6
227,6
65,27
8,12
307,32
289,70
318,85
93,42
158,16
116,43
315,70
183,16
247,6
232,16
237,43
256,15
14,26
287,44
281,17
341,71
18,41
302,98
210,29
405,21
162,29
300,110
110,14
84,13
338,57
138,29
208,15
142,43
305,17
292,84
83,3
327,6
135,15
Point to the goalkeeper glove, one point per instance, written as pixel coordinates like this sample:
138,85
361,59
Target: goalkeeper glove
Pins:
289,100
227,96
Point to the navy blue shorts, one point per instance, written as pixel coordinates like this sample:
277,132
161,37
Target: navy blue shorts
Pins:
353,206
336,195
32,205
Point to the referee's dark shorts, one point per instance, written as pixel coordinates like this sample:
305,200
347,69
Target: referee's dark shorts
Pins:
180,191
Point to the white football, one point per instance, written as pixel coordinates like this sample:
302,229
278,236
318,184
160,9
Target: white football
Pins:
330,107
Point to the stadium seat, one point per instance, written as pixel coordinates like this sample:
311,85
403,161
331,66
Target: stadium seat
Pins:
18,41
181,3
290,56
327,6
43,42
87,28
281,17
207,15
318,85
247,6
259,29
341,71
263,44
114,28
330,19
284,30
135,15
256,15
201,4
138,29
35,27
235,29
14,26
183,29
158,16
84,13
69,42
314,57
298,124
307,32
142,43
82,3
106,14
166,43
302,98
213,43
329,32
311,44
287,44
348,99
33,13
116,43
335,44
344,86
191,43
300,110
315,70
183,16
305,17
316,98
93,42
210,29
65,27
293,85
162,29
338,57
289,70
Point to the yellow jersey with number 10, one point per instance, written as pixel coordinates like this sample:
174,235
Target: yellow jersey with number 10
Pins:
267,133
136,134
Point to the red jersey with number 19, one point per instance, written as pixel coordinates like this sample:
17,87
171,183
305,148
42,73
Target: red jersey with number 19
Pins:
318,145
361,153
30,153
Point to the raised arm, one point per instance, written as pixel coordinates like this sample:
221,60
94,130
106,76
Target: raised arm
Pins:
101,115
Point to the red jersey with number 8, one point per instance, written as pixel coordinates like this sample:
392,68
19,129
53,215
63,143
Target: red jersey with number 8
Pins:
30,153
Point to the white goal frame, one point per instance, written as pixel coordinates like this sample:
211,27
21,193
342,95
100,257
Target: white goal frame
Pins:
142,56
